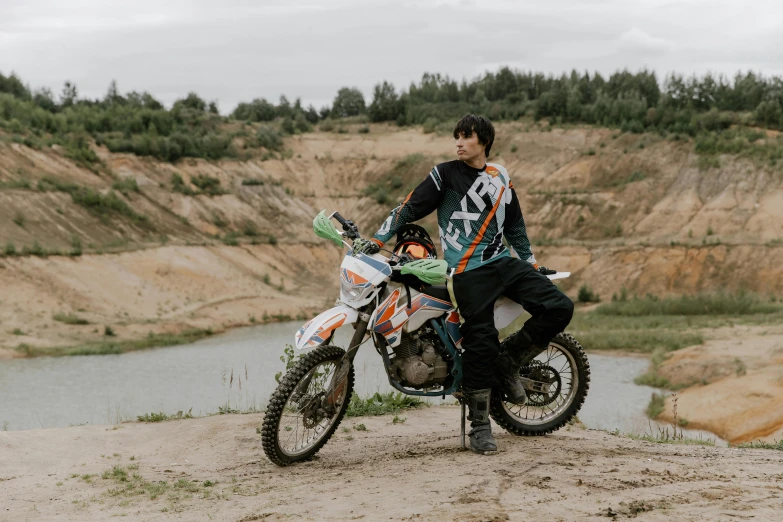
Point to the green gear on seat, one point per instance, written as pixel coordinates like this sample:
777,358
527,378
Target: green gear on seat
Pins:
430,271
323,228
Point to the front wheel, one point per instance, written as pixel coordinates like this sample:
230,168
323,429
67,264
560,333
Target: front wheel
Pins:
300,417
564,369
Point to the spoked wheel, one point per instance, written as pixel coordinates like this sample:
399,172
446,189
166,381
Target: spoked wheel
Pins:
301,416
561,374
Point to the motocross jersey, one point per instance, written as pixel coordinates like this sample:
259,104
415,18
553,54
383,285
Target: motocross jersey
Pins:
476,208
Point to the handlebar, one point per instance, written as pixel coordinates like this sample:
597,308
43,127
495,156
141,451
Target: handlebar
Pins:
352,231
339,218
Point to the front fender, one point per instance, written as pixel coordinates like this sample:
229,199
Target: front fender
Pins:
316,331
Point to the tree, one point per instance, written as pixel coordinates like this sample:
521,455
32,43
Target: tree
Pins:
191,101
113,95
769,113
257,110
284,108
44,98
348,102
311,114
384,103
14,86
150,102
69,94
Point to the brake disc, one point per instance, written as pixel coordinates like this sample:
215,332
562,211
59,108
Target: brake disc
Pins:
539,372
312,411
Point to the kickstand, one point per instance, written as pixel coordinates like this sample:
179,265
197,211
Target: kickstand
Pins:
462,425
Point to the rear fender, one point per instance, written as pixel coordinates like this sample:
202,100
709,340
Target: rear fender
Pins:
506,310
318,330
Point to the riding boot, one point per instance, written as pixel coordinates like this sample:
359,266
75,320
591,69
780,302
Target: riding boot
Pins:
507,366
481,439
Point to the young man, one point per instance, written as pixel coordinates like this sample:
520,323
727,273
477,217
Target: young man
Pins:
477,207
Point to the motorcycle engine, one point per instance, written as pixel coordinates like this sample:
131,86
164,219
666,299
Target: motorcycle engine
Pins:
416,361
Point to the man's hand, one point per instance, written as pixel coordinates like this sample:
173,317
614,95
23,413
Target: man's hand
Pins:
365,246
544,270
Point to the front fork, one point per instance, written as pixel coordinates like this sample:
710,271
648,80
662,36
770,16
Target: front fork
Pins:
339,380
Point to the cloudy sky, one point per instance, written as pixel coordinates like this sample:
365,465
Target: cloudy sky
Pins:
236,50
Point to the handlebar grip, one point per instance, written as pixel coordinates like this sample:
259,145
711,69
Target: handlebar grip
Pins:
339,218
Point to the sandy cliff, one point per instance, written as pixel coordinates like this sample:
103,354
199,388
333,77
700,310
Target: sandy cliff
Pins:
626,210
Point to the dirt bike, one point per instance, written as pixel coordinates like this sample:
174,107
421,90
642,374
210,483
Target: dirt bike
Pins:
401,304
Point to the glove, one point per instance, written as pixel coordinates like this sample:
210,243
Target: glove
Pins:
365,246
544,270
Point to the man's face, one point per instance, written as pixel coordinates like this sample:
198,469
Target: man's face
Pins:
469,148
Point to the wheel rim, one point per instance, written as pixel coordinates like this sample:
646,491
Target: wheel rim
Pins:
561,361
300,428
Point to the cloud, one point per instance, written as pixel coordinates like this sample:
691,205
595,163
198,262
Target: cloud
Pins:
235,50
636,39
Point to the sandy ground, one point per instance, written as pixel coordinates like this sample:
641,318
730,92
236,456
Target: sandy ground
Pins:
409,471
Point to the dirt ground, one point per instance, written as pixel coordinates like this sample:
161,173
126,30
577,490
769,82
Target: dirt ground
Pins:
413,470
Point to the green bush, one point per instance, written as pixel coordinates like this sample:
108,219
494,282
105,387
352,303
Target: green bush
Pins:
230,239
35,250
656,406
430,125
69,319
382,404
743,303
251,182
269,138
249,228
76,246
153,417
586,295
106,205
178,185
207,184
125,185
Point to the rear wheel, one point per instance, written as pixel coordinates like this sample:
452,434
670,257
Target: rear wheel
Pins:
564,369
299,419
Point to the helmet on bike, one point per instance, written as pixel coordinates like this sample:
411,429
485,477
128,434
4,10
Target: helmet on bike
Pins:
414,241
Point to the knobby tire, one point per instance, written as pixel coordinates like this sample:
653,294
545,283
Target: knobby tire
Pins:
269,430
508,422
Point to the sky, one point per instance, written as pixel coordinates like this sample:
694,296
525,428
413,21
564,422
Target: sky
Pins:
237,50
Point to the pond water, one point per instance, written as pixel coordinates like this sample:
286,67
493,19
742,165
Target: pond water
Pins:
236,370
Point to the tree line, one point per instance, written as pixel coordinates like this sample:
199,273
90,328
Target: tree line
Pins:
635,102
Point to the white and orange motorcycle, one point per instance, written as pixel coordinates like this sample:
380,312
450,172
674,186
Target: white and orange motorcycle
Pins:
401,303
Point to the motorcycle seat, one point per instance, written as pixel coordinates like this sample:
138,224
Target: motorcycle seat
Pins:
438,292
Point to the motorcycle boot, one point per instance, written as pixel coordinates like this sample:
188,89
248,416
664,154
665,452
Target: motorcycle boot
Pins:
481,439
507,366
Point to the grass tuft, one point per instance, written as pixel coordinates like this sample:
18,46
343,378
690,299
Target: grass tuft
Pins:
760,444
153,417
131,484
111,347
69,319
382,404
656,405
742,303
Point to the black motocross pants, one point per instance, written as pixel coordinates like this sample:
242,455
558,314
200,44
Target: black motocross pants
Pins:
476,292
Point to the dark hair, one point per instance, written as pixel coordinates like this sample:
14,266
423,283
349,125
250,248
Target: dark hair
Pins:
483,128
